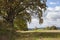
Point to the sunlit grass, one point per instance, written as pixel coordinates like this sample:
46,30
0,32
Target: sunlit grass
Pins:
39,30
34,38
39,35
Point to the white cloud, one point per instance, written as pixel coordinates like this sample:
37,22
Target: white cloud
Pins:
34,23
53,13
51,17
57,8
49,8
54,2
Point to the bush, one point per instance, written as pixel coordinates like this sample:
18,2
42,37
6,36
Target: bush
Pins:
51,28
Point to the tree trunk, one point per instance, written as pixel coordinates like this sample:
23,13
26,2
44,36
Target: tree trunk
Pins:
10,21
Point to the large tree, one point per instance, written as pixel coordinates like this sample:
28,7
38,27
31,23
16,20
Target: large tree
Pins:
10,9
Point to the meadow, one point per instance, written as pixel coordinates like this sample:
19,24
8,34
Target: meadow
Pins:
38,35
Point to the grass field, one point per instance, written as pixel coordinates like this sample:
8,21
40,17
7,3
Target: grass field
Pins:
39,35
39,31
39,39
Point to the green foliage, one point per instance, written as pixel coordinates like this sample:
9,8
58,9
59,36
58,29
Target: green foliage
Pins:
39,35
14,13
20,23
10,9
51,28
47,28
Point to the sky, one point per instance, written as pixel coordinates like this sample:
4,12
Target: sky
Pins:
51,15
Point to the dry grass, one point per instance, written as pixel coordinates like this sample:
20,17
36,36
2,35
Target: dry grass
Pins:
39,31
40,35
32,38
51,38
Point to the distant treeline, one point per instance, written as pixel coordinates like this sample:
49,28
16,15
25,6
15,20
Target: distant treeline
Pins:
46,28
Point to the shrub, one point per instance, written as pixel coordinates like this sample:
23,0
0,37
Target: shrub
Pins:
51,28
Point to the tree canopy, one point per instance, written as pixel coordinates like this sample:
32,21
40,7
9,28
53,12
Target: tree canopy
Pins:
14,13
10,9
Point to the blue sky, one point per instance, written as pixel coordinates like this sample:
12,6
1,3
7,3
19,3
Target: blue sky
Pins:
51,16
53,3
